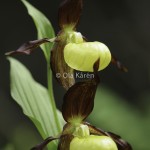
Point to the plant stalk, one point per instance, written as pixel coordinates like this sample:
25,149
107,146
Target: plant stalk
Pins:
51,95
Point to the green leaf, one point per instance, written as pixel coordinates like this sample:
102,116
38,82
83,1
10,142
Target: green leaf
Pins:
43,25
34,100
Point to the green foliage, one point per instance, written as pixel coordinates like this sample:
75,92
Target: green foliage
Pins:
112,113
33,98
36,101
43,26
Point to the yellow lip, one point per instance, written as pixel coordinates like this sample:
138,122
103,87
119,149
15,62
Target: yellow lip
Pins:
93,142
82,56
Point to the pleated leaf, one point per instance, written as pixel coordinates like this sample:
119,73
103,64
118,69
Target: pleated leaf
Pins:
43,25
34,100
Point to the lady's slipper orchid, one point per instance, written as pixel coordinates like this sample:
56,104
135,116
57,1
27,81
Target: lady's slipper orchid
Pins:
78,103
71,51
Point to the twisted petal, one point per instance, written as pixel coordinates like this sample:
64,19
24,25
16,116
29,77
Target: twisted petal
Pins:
78,102
69,13
121,144
28,47
118,64
42,145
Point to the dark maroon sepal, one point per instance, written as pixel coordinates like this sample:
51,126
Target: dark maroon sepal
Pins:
28,47
69,13
78,102
64,143
58,65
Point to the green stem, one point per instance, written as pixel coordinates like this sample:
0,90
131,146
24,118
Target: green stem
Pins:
51,95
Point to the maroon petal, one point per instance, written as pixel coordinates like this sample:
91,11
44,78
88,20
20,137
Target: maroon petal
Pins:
78,102
28,47
69,13
94,130
121,144
118,64
42,145
62,72
64,143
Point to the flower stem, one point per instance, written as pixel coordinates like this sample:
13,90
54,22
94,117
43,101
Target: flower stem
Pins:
51,95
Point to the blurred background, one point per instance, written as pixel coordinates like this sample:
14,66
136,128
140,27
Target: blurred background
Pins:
122,99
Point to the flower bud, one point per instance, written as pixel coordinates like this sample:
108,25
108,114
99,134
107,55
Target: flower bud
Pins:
82,56
93,142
